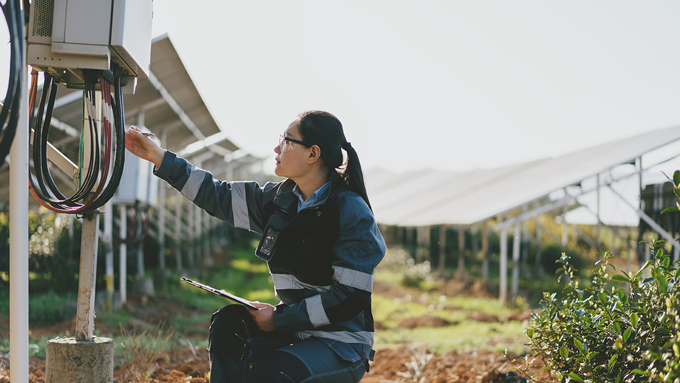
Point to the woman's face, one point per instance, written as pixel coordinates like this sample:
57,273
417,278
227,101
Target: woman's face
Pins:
291,157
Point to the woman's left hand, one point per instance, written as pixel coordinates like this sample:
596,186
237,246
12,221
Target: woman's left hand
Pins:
264,317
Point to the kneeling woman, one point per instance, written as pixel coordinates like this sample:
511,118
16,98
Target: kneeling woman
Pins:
321,243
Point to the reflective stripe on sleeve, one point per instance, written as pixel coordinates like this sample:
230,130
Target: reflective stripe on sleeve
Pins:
365,337
317,315
239,205
353,278
289,282
196,177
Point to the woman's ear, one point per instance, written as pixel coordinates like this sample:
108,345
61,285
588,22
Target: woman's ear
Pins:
314,154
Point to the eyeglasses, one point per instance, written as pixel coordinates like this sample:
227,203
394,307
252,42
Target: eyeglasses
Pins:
286,143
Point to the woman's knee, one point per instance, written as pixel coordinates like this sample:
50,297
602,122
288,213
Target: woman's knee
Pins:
227,325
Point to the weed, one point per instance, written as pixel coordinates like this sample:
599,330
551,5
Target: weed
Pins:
417,365
141,349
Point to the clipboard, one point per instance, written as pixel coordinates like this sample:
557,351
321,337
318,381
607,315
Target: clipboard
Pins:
221,293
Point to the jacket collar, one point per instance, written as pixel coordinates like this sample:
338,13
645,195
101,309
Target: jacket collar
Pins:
285,197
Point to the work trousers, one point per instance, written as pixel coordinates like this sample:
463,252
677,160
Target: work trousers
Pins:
242,353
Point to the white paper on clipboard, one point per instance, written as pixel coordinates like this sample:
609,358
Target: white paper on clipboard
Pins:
221,293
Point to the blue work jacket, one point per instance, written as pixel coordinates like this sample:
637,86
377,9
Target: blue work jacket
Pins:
321,258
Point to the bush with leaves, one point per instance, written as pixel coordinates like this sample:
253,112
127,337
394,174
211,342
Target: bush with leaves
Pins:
605,333
601,333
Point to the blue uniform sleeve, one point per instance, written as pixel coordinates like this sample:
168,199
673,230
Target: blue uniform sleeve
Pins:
357,251
239,203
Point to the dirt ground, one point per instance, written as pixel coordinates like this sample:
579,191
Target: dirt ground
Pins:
406,364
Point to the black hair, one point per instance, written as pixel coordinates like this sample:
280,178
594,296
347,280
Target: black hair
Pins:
325,130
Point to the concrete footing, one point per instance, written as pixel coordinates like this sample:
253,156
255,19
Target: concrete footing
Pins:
74,361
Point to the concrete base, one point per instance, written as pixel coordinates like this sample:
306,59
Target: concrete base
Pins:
70,361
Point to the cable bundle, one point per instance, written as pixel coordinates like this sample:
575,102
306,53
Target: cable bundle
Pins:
14,16
86,198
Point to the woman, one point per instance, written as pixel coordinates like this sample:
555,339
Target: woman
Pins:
321,243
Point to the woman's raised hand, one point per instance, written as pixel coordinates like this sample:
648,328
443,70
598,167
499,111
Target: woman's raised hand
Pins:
143,146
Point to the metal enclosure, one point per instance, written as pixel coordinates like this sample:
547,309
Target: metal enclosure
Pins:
138,184
65,36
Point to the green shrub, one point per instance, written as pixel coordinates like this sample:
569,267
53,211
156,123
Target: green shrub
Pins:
603,334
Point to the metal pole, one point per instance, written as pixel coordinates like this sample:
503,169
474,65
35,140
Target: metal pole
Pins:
88,252
539,238
565,229
442,248
190,234
485,252
140,260
515,260
87,277
461,251
599,221
503,296
161,212
18,243
208,261
178,232
123,255
419,246
108,246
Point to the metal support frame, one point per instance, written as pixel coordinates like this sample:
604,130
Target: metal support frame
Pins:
18,242
178,231
161,213
122,274
442,249
515,259
108,249
503,294
88,254
655,226
461,251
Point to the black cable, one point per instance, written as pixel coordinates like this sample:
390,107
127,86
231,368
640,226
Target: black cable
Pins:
14,17
119,162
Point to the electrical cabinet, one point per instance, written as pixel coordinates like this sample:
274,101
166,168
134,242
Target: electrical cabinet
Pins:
65,36
137,183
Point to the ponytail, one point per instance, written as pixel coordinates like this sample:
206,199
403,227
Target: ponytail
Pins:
325,130
353,175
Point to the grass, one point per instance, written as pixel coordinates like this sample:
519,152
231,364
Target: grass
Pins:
248,276
464,336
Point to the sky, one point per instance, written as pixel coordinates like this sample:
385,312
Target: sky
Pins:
455,85
445,84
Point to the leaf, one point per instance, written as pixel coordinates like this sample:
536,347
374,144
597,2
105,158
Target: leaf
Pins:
666,261
626,334
579,345
564,352
602,297
676,177
638,372
669,210
575,377
617,328
659,254
621,278
558,271
567,289
634,319
663,283
612,361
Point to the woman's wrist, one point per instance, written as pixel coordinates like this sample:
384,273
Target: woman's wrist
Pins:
158,156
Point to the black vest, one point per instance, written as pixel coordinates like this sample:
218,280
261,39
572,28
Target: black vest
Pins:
300,244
